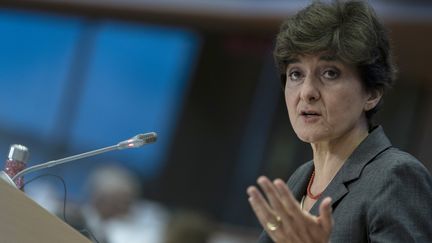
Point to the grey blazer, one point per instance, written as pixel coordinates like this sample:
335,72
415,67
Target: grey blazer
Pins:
380,194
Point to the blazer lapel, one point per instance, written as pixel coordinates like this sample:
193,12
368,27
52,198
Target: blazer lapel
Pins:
375,143
299,185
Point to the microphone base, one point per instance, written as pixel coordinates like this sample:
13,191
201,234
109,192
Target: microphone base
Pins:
6,178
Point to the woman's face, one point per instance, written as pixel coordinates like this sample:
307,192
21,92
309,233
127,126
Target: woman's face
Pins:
325,98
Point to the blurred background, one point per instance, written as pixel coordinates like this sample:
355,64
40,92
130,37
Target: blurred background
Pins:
78,75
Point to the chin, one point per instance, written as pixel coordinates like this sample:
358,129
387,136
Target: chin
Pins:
308,139
309,136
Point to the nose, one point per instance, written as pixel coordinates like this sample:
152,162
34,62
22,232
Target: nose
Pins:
310,90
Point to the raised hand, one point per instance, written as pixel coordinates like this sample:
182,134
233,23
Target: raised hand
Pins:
282,217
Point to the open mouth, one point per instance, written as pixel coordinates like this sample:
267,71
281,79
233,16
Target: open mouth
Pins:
309,113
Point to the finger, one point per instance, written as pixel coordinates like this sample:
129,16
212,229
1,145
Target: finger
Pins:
280,213
326,218
272,195
261,210
290,204
259,205
288,200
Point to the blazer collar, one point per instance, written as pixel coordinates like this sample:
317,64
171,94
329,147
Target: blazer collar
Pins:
375,143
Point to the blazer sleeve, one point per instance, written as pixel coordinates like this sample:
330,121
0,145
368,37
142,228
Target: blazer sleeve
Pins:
401,209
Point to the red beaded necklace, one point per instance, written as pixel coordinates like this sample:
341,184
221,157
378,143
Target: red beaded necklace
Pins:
309,193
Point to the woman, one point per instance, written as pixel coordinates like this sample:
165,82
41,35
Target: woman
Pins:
335,65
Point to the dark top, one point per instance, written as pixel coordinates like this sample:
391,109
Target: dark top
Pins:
380,194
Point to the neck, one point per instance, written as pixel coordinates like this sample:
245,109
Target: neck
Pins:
329,156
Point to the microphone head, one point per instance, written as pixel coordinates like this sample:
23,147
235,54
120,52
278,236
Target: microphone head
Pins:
138,140
150,137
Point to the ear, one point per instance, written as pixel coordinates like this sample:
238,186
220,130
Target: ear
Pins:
373,98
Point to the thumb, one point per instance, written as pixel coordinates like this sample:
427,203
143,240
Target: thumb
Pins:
326,217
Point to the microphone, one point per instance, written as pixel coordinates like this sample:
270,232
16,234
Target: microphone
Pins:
134,142
138,140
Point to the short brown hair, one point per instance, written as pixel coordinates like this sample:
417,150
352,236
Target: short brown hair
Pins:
348,29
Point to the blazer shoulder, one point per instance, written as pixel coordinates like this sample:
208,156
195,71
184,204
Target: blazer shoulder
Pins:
396,167
394,159
398,203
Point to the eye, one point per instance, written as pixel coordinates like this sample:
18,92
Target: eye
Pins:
331,74
295,76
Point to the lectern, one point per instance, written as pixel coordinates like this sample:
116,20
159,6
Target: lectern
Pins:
23,221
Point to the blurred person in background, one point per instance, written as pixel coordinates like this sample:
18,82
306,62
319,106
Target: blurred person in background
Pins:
335,63
116,214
